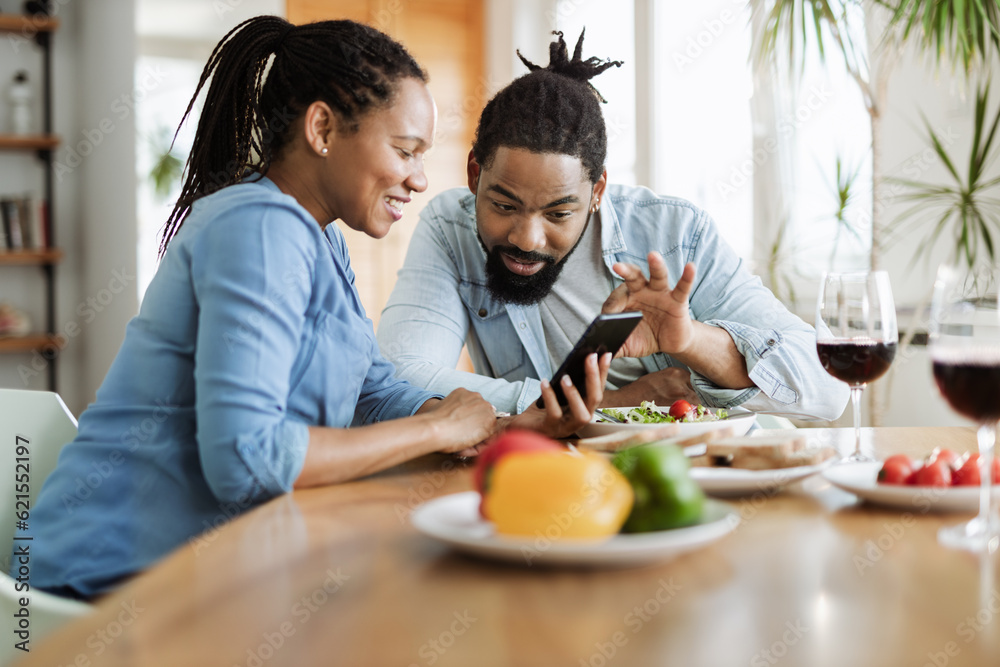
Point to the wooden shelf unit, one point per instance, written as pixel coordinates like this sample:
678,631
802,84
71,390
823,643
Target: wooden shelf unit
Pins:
28,25
39,30
29,257
27,343
40,142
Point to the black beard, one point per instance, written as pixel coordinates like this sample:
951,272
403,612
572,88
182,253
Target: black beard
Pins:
505,286
508,287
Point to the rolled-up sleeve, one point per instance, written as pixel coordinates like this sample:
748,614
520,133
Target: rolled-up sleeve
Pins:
779,348
252,271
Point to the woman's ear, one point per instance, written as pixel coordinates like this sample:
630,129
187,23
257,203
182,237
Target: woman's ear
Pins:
472,169
319,127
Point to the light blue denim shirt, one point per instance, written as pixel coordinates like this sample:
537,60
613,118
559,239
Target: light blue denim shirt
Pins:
250,332
440,302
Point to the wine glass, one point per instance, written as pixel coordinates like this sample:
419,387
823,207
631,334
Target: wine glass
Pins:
856,334
965,352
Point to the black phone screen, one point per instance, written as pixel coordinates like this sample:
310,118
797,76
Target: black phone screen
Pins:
607,333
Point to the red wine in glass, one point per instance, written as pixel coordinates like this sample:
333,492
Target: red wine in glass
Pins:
856,362
965,357
856,334
971,384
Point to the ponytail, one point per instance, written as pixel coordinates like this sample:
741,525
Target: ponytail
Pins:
552,109
246,117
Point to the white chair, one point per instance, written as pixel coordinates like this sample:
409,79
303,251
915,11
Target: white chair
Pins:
41,418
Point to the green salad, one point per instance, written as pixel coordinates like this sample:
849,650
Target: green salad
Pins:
649,413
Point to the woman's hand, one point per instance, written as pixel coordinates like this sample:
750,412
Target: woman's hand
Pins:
462,420
559,422
666,320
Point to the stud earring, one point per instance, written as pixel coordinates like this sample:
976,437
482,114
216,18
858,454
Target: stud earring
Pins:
324,150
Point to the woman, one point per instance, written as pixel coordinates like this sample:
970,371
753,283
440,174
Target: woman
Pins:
251,356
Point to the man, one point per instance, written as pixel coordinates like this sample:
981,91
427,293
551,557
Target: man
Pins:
516,267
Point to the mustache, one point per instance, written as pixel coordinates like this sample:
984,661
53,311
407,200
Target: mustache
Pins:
522,256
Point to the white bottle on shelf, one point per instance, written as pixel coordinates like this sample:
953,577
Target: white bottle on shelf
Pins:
20,97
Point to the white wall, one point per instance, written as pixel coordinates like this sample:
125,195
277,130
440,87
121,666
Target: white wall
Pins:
107,182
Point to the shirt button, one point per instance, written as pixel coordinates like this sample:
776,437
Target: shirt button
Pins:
523,325
482,312
771,342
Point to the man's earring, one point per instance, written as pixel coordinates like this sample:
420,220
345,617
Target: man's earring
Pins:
324,150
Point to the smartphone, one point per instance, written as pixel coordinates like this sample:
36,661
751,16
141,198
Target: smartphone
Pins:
607,333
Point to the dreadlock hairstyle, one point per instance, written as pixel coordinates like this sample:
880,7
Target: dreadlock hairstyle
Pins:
551,109
246,118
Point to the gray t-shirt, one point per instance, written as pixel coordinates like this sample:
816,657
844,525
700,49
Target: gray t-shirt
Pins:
576,299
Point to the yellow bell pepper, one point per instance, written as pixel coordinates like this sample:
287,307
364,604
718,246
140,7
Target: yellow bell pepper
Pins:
557,494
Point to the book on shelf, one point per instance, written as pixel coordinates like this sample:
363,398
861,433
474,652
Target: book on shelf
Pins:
23,224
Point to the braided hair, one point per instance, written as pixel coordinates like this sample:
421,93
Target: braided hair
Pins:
247,118
551,109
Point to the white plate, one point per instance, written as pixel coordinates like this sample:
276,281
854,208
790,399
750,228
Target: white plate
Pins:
861,480
731,482
455,520
740,421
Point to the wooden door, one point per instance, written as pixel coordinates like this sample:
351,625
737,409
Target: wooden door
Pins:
446,38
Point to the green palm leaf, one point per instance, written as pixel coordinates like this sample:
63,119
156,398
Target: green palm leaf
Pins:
967,206
967,31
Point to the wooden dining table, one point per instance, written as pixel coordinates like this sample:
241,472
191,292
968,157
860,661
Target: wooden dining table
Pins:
339,576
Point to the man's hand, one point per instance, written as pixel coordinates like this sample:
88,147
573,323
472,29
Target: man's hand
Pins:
663,387
666,321
558,422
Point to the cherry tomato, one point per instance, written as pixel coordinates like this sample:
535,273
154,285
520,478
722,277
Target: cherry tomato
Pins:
936,473
902,458
680,409
895,470
968,474
951,458
911,479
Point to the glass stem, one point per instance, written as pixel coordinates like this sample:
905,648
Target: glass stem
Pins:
856,403
986,435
